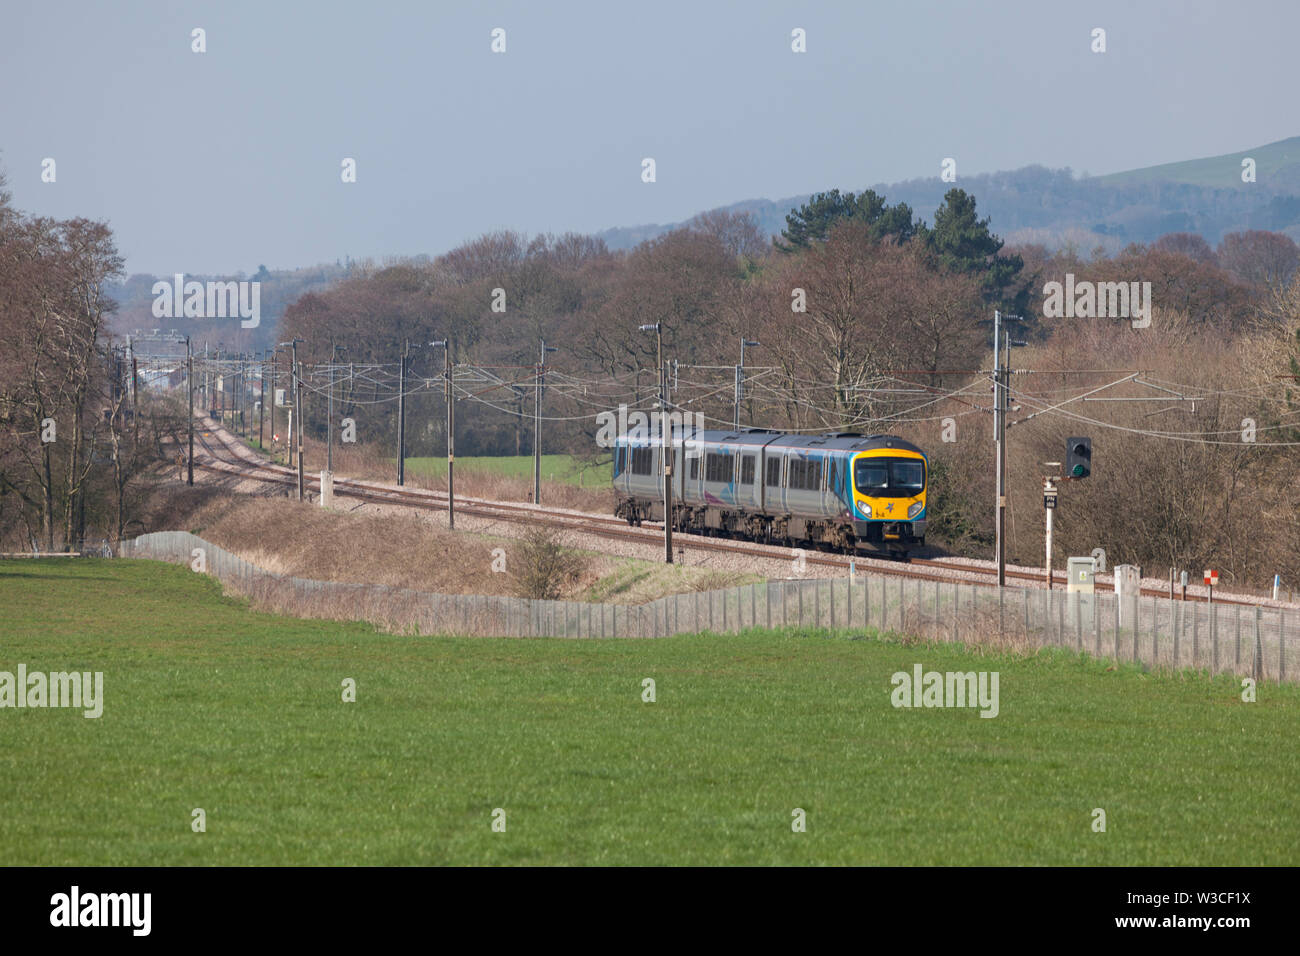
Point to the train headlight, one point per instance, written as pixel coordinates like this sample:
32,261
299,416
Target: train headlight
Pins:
865,509
916,508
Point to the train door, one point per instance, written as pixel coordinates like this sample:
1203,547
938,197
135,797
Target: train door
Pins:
748,485
774,482
831,504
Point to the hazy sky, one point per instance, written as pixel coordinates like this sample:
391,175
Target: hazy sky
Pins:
219,161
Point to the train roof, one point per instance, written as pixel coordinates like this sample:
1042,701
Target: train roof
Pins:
760,437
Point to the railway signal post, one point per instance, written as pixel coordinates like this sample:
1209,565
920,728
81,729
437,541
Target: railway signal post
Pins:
275,359
657,329
296,413
451,438
1001,376
189,388
537,423
740,380
329,423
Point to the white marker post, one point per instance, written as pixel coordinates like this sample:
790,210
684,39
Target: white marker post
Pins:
1049,507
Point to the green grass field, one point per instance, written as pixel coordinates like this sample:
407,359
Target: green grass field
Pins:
565,468
207,704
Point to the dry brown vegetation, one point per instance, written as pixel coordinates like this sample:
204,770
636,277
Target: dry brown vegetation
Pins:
543,566
405,550
1196,496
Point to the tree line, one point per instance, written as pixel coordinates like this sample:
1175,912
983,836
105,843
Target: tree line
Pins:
71,443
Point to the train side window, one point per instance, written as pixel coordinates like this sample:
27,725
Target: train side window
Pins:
719,468
747,470
642,461
695,468
774,472
795,473
618,461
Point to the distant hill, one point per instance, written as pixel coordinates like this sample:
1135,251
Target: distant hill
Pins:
1277,165
1055,207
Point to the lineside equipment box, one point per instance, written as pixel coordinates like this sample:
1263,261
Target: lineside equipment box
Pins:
1082,571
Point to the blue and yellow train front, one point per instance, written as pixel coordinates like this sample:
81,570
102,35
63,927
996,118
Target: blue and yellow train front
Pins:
889,496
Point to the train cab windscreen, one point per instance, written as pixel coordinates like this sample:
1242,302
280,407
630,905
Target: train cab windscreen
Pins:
889,477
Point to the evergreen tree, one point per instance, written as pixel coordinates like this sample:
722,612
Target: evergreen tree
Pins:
962,242
814,220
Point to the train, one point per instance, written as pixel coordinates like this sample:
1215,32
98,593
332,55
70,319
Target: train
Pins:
840,491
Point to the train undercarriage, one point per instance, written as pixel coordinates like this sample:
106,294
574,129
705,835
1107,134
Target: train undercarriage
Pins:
885,538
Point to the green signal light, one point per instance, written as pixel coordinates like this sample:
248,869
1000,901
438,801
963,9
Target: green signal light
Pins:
1077,471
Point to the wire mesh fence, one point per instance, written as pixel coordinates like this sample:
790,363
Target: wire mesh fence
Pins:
1219,638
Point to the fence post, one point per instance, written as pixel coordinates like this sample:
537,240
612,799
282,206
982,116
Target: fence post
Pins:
957,610
1059,599
1155,630
1237,615
1096,624
1078,624
1117,635
935,619
884,604
1214,636
1137,619
1281,646
1180,618
1196,635
902,602
1258,670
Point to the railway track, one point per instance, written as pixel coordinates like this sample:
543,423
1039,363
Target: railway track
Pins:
235,459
